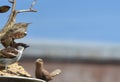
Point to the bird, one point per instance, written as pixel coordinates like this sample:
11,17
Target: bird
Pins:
19,30
42,73
11,52
4,8
11,55
8,52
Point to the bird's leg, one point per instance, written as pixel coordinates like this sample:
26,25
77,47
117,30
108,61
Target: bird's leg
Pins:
13,43
30,9
6,67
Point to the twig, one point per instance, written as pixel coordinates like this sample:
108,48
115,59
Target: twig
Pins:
33,3
30,9
27,10
11,19
13,4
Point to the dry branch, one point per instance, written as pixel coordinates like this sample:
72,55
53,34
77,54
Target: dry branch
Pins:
12,18
30,9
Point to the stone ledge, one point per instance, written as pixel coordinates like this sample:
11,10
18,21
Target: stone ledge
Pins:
14,70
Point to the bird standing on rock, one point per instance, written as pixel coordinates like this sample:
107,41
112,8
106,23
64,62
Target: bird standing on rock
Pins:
11,55
19,30
43,74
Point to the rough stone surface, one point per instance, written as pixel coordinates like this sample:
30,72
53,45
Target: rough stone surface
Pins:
14,70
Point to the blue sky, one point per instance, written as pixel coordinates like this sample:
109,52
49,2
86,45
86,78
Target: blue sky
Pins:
89,20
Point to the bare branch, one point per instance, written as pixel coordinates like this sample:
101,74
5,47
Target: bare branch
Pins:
13,4
33,3
27,10
30,9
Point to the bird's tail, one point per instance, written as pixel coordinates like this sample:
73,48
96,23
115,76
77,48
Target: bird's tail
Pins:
55,72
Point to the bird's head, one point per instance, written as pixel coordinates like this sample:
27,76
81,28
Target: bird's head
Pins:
22,46
25,24
25,33
39,62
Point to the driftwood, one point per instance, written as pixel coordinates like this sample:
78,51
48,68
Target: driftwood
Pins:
12,18
7,36
13,69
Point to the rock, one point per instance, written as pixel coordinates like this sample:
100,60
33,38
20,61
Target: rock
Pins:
14,70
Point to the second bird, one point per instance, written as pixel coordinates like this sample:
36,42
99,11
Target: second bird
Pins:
19,30
11,55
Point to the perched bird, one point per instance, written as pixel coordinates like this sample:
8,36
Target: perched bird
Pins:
4,8
18,31
43,74
11,55
8,52
11,52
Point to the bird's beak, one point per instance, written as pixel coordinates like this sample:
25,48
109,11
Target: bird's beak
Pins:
26,46
29,23
25,33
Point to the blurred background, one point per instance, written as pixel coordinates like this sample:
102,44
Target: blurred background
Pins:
81,37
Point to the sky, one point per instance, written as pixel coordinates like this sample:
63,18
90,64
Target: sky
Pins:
86,20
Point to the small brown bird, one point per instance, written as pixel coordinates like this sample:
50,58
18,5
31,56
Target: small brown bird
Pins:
18,31
4,8
11,52
43,74
8,52
11,55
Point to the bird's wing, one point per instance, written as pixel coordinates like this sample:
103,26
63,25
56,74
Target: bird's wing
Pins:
9,52
19,30
21,25
55,72
1,55
6,40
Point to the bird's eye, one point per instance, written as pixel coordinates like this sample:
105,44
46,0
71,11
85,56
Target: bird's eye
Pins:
11,30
